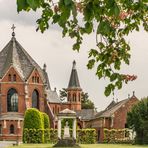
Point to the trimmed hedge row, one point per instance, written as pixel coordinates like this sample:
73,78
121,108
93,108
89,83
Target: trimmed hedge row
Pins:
84,136
117,136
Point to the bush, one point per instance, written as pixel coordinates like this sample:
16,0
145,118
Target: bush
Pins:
33,119
117,136
86,136
137,119
46,121
33,127
33,135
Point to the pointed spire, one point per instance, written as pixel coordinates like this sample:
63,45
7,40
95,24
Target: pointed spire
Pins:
74,65
74,80
13,33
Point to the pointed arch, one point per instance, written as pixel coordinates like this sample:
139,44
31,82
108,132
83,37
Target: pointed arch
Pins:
12,100
35,99
11,129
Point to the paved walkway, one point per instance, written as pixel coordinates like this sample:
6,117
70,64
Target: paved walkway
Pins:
4,144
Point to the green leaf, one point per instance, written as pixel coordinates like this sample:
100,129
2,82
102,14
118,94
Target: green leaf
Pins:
104,28
119,84
68,2
107,90
22,5
34,4
89,27
113,77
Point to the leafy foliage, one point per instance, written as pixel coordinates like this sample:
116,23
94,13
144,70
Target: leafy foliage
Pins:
70,122
137,119
34,124
35,135
46,120
110,20
33,119
85,136
86,102
117,136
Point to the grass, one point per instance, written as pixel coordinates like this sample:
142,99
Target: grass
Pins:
82,146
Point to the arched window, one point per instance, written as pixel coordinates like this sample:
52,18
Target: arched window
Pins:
33,79
69,96
9,77
79,97
35,99
11,129
14,77
0,129
74,97
12,100
37,79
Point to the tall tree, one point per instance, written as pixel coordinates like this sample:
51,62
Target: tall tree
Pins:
137,119
86,102
109,20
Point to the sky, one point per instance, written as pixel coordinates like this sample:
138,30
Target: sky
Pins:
57,53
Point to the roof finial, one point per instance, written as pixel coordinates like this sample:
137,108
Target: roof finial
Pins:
44,67
74,65
133,93
13,27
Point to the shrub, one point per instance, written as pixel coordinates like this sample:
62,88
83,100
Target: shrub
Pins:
46,121
117,136
33,127
33,119
33,135
137,119
86,136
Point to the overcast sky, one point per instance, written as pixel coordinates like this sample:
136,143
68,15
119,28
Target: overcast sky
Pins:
56,52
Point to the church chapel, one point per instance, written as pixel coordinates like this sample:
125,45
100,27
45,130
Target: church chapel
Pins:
24,84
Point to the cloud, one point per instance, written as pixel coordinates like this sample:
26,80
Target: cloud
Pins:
8,12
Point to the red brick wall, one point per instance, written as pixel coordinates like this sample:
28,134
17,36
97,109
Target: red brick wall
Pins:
121,113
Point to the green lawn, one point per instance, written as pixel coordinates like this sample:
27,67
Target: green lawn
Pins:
82,146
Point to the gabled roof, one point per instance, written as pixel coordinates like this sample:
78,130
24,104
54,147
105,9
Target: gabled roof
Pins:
112,108
86,114
74,80
52,96
14,54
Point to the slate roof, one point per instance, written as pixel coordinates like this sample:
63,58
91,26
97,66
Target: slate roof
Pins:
112,108
74,80
86,114
52,96
14,54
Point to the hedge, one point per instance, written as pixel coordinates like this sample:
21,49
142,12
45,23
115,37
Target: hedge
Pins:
46,121
84,136
117,136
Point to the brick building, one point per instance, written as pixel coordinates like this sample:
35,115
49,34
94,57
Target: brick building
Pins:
113,117
24,84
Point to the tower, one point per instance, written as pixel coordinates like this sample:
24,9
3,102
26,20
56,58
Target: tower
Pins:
74,90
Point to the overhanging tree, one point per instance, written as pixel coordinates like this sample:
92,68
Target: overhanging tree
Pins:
110,20
137,119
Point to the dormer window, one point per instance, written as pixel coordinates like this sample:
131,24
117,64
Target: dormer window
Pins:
9,77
